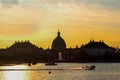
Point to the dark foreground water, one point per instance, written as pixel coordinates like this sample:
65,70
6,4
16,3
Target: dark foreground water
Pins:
63,71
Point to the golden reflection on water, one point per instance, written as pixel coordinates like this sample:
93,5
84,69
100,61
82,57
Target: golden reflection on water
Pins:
15,75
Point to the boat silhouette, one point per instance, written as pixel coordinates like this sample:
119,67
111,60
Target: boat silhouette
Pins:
51,64
92,67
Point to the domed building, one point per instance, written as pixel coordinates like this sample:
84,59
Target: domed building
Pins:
58,43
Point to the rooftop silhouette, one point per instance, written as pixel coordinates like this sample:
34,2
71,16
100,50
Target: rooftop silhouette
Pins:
21,44
95,44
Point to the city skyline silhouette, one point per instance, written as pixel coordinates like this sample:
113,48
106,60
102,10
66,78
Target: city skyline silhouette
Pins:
27,52
50,46
58,35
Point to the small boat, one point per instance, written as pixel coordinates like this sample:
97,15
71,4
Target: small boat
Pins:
51,64
92,67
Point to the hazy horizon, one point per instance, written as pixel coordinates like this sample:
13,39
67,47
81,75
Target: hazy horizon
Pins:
78,21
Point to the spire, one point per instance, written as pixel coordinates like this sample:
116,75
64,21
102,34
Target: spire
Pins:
58,33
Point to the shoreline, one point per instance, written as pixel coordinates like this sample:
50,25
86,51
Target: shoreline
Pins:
10,63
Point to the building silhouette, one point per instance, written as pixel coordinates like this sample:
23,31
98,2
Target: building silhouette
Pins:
58,48
58,43
97,48
25,51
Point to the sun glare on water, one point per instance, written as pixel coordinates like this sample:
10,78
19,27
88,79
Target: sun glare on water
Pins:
14,75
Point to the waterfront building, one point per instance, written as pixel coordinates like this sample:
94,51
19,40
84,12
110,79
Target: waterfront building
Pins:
59,47
24,50
97,48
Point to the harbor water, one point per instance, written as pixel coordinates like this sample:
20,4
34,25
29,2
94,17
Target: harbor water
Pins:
62,71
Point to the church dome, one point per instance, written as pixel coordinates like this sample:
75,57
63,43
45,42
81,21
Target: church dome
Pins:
58,43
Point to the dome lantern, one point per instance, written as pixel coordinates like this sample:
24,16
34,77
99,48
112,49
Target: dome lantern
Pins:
58,33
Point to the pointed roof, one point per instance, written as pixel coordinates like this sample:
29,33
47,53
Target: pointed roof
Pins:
58,33
22,44
94,44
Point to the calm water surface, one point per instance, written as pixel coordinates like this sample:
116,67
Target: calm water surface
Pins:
63,71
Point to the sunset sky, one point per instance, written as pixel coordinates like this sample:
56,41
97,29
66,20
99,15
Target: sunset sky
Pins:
78,21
